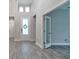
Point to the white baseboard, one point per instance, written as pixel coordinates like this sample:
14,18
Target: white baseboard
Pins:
39,45
23,40
60,43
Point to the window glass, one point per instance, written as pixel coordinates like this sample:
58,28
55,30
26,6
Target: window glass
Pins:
21,9
27,9
25,26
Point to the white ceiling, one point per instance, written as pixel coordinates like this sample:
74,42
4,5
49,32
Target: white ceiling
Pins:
24,2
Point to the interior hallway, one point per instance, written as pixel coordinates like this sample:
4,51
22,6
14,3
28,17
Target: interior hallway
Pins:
26,26
28,50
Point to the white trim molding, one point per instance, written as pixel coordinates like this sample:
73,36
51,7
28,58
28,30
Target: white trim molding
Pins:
24,40
60,43
39,45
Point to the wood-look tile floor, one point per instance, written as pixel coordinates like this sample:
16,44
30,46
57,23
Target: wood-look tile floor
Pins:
28,50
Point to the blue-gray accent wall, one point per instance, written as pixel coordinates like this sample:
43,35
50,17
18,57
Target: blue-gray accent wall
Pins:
60,26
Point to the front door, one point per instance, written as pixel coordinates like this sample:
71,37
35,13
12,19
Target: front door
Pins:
24,29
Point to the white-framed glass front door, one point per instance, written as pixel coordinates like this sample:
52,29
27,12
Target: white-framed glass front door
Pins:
24,26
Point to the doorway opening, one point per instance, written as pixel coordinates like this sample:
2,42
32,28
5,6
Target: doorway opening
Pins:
57,30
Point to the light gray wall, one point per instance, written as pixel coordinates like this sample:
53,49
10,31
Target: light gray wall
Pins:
12,9
60,26
39,7
11,28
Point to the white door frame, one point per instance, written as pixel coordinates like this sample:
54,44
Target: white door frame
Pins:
47,45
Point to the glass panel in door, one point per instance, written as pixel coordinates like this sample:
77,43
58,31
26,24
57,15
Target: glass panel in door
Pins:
47,31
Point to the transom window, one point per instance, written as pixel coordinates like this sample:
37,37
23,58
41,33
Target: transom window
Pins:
27,9
24,9
21,9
